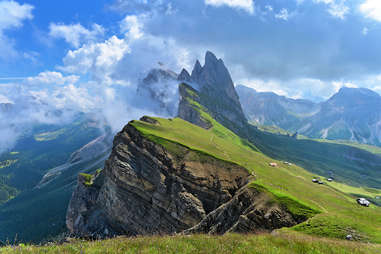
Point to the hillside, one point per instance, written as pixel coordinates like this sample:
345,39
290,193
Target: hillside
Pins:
270,109
54,154
340,213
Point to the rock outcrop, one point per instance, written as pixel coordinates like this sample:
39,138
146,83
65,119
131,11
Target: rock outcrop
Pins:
248,211
146,189
96,151
189,107
216,93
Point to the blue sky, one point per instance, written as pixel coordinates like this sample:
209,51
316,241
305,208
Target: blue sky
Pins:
299,48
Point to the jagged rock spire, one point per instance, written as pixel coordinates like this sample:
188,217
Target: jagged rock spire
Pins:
197,69
184,76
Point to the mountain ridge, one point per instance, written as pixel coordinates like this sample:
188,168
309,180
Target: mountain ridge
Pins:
352,114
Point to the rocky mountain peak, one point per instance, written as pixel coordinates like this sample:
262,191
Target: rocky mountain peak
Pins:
216,93
197,69
210,59
157,75
184,75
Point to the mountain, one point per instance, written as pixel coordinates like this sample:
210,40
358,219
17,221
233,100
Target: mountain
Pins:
170,188
352,114
167,176
167,165
160,85
215,91
42,169
267,108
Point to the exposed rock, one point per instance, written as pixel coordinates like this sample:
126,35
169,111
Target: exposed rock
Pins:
148,119
196,72
82,214
248,211
270,109
216,93
145,189
92,149
189,111
98,148
184,76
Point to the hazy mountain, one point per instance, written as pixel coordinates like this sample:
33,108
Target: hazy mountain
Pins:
159,88
351,114
267,108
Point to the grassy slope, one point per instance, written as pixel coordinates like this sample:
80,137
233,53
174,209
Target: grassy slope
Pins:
372,149
279,131
284,243
340,213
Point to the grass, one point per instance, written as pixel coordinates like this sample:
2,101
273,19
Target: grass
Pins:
372,149
279,243
88,179
48,136
7,163
338,209
296,207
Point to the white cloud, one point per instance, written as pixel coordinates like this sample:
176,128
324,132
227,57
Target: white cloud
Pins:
52,77
75,34
283,14
246,5
337,8
12,15
132,26
123,60
371,9
98,59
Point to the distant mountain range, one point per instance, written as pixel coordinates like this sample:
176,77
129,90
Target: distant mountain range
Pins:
352,114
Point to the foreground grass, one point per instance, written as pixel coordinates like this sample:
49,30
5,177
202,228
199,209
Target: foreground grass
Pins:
282,243
340,214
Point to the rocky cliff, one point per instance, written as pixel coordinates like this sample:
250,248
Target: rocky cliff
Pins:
216,93
146,189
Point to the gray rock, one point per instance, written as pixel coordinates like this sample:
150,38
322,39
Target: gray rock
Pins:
148,191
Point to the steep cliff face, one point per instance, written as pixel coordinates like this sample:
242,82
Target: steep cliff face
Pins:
216,92
147,189
189,107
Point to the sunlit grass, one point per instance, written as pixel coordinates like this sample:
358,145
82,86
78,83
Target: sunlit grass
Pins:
280,243
341,215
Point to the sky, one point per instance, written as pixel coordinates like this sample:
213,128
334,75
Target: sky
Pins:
74,56
298,48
